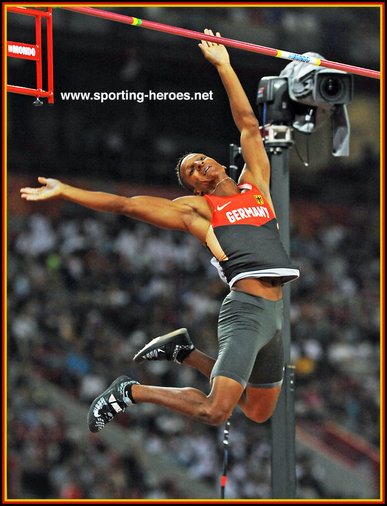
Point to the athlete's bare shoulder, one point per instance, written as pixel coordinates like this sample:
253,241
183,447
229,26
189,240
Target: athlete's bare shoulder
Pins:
197,204
197,215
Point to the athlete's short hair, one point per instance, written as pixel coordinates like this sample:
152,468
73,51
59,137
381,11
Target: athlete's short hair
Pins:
181,180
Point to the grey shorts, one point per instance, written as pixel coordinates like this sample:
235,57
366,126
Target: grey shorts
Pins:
250,342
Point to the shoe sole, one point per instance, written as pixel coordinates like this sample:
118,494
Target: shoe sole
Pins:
157,342
90,413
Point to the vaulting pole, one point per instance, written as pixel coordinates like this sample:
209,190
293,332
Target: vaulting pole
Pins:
246,46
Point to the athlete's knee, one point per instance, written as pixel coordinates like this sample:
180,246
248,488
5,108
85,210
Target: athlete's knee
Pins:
224,395
216,415
259,414
259,404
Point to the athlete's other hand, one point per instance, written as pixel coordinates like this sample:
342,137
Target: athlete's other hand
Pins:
50,190
215,53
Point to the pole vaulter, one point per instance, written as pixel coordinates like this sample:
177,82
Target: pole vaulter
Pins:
283,420
246,46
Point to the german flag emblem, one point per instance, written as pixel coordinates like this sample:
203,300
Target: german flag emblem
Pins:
259,199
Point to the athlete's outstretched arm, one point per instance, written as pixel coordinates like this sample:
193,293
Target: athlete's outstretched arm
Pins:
163,213
257,169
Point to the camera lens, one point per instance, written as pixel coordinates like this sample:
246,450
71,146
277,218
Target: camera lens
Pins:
331,88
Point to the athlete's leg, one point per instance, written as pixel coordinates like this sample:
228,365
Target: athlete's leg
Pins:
260,397
212,409
245,323
258,404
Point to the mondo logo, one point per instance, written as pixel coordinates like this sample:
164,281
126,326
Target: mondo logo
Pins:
23,50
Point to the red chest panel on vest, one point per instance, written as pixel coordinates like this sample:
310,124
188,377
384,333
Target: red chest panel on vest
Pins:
248,208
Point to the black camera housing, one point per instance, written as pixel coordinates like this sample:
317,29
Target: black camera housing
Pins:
274,92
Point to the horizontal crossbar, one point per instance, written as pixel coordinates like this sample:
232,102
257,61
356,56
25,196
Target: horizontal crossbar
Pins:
246,46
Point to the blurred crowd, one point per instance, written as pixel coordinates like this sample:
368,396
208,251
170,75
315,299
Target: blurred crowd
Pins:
87,290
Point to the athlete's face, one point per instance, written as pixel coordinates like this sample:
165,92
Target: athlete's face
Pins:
201,172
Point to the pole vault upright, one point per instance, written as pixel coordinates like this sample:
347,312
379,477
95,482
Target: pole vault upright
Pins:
34,52
283,459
